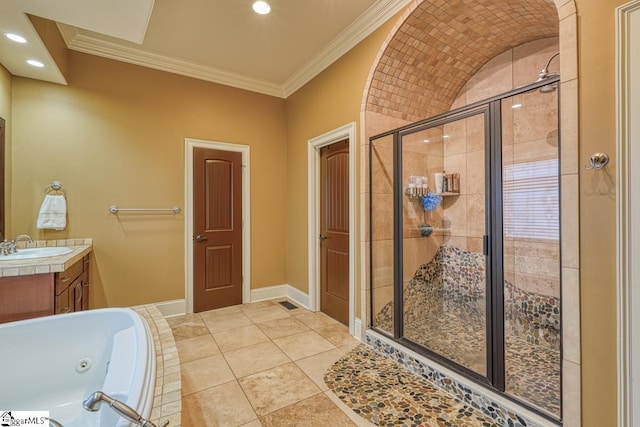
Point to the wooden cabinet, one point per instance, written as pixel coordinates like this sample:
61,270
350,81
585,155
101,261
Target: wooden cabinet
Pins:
24,297
72,288
36,295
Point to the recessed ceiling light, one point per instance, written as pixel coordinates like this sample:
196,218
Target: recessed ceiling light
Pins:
35,63
426,141
261,7
446,136
516,106
16,38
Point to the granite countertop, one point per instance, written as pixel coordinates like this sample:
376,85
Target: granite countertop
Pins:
52,264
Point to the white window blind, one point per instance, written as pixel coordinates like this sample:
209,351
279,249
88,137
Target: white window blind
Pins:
531,200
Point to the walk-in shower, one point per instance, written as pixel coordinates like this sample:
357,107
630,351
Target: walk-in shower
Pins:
480,292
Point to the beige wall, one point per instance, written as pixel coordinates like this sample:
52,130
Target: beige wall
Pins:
6,98
329,101
5,94
596,29
115,136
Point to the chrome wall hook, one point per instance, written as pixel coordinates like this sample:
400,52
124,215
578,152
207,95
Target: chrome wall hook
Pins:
597,161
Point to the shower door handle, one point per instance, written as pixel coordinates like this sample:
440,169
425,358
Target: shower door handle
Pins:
485,245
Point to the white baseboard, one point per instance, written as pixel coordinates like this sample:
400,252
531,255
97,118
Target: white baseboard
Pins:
357,326
270,292
280,291
298,296
171,308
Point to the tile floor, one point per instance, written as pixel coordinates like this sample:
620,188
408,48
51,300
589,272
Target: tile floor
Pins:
260,364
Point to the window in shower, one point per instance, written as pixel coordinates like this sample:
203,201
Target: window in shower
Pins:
470,275
530,197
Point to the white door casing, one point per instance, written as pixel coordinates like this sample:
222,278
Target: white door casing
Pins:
189,145
628,211
347,131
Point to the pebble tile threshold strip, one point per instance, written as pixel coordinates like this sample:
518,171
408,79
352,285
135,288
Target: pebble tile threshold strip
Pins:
387,394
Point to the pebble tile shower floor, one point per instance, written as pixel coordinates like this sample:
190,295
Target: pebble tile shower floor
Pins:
261,364
387,394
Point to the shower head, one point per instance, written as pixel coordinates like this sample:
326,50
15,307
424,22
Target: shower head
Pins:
544,73
549,88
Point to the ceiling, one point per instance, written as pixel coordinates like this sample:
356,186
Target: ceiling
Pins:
222,41
442,43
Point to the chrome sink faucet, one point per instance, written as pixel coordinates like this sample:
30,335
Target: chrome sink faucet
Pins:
7,247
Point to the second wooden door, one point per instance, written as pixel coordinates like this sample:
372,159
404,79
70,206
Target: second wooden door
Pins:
334,231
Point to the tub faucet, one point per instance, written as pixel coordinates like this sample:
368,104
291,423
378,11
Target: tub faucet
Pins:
7,247
93,402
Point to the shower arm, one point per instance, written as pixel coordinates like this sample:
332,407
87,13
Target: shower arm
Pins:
544,73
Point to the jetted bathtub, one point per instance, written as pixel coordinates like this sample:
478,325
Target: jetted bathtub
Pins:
53,363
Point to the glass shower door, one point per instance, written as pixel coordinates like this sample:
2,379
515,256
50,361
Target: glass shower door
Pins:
381,233
444,275
531,239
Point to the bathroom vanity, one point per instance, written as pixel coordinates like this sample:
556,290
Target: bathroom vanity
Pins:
48,285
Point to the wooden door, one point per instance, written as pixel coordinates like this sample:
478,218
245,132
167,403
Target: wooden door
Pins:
217,229
334,231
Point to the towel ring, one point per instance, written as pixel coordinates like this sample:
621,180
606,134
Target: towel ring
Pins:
54,186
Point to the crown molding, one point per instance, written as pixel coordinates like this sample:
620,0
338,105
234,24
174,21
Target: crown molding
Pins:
367,23
81,42
379,13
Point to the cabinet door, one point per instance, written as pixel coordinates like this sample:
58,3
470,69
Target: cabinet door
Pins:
86,283
80,289
85,294
64,301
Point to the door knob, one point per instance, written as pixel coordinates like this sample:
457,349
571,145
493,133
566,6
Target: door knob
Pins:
323,237
201,238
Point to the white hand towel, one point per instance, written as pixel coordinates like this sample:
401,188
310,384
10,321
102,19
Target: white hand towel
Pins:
53,212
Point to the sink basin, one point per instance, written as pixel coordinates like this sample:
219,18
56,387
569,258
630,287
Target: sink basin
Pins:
36,253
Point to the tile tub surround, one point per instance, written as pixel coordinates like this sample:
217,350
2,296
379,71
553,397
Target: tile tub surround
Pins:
167,405
53,264
499,413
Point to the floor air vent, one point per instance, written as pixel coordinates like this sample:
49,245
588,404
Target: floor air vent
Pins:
288,305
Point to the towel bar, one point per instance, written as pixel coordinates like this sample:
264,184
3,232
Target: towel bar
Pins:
115,209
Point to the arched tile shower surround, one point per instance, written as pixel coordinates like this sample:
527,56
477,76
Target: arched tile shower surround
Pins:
444,55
